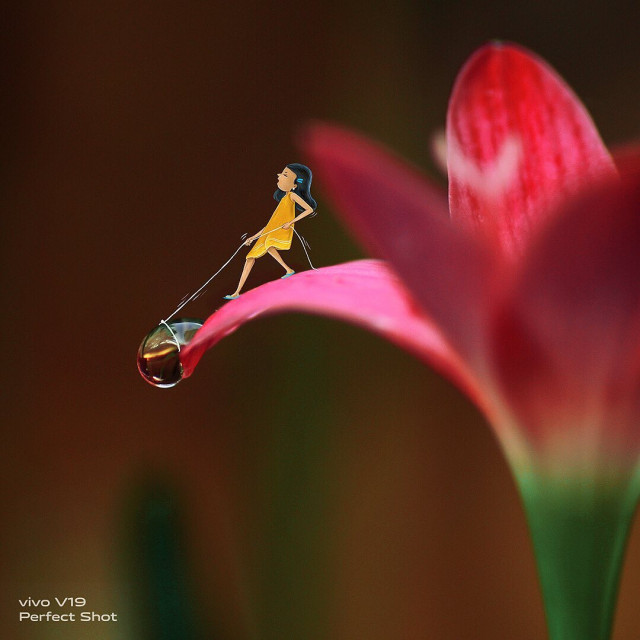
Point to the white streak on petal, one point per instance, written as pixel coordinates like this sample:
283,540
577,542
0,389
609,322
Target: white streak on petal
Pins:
493,179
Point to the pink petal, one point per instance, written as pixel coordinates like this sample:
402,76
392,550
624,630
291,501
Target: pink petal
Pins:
400,216
519,143
364,292
567,343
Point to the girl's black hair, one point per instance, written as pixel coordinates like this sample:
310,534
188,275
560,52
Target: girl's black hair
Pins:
303,189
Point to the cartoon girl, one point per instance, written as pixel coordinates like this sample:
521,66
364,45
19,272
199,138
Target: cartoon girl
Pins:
292,195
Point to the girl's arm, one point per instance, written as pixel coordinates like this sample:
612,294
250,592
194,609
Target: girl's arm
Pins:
248,241
306,208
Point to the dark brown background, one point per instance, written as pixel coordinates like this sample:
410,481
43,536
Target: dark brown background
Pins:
309,481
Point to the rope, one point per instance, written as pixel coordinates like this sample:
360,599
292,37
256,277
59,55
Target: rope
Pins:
165,323
193,296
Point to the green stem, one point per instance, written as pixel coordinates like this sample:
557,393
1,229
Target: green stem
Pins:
579,528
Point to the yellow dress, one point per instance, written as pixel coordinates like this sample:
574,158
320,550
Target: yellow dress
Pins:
281,238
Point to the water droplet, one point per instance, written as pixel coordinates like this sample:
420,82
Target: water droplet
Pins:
159,353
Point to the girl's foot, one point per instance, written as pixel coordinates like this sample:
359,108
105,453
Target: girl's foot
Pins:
286,275
233,296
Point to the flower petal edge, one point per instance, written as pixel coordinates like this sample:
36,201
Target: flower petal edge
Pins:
364,292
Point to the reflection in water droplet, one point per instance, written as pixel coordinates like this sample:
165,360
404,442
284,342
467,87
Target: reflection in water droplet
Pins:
159,354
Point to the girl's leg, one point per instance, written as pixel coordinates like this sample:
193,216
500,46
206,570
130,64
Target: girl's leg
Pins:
248,265
273,252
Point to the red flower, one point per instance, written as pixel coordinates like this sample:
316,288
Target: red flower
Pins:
524,290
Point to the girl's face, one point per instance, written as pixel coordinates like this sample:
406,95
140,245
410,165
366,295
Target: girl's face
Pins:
286,180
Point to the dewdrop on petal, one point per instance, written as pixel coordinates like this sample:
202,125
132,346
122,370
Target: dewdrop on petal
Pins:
159,353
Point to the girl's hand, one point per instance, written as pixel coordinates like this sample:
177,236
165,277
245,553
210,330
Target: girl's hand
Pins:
286,225
248,241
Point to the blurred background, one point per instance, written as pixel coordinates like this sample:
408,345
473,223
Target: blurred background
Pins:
309,480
